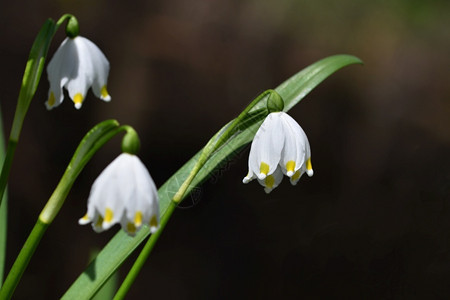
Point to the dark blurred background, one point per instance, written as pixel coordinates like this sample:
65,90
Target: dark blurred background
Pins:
374,220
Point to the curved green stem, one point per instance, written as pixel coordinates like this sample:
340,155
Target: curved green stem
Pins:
7,167
3,211
3,237
30,81
22,260
90,144
79,160
293,90
142,258
213,144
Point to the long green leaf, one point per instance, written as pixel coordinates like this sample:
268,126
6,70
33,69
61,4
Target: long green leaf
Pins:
31,77
107,291
32,74
121,246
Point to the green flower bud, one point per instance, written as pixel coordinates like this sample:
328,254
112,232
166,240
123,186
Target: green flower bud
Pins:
72,28
275,103
130,142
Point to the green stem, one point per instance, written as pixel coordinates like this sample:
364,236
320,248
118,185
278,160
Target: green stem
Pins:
213,144
45,219
90,144
30,81
31,78
3,210
7,167
22,260
142,258
64,18
3,236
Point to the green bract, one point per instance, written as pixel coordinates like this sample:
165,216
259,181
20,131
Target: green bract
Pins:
275,103
72,27
130,142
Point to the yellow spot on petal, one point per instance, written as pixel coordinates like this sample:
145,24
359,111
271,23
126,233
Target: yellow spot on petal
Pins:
131,228
153,222
138,218
296,175
51,100
264,168
290,166
269,181
78,98
308,164
85,217
99,221
108,215
104,92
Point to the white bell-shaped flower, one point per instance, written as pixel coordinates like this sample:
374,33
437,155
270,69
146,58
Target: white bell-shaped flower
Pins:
123,193
280,147
77,65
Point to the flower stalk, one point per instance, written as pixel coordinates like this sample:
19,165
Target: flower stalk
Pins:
91,143
23,259
213,144
30,81
143,256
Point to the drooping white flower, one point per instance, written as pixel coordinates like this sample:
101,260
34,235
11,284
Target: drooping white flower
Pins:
280,147
123,193
77,65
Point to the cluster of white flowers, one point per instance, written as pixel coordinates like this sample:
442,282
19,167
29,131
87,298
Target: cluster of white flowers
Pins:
125,193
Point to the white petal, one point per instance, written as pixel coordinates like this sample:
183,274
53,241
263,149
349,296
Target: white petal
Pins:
297,175
154,223
107,192
145,204
63,63
85,220
60,69
304,169
248,178
308,165
272,181
80,82
128,226
100,70
265,152
144,190
294,152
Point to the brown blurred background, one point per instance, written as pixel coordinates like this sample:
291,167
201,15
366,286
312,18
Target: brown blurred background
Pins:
374,220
